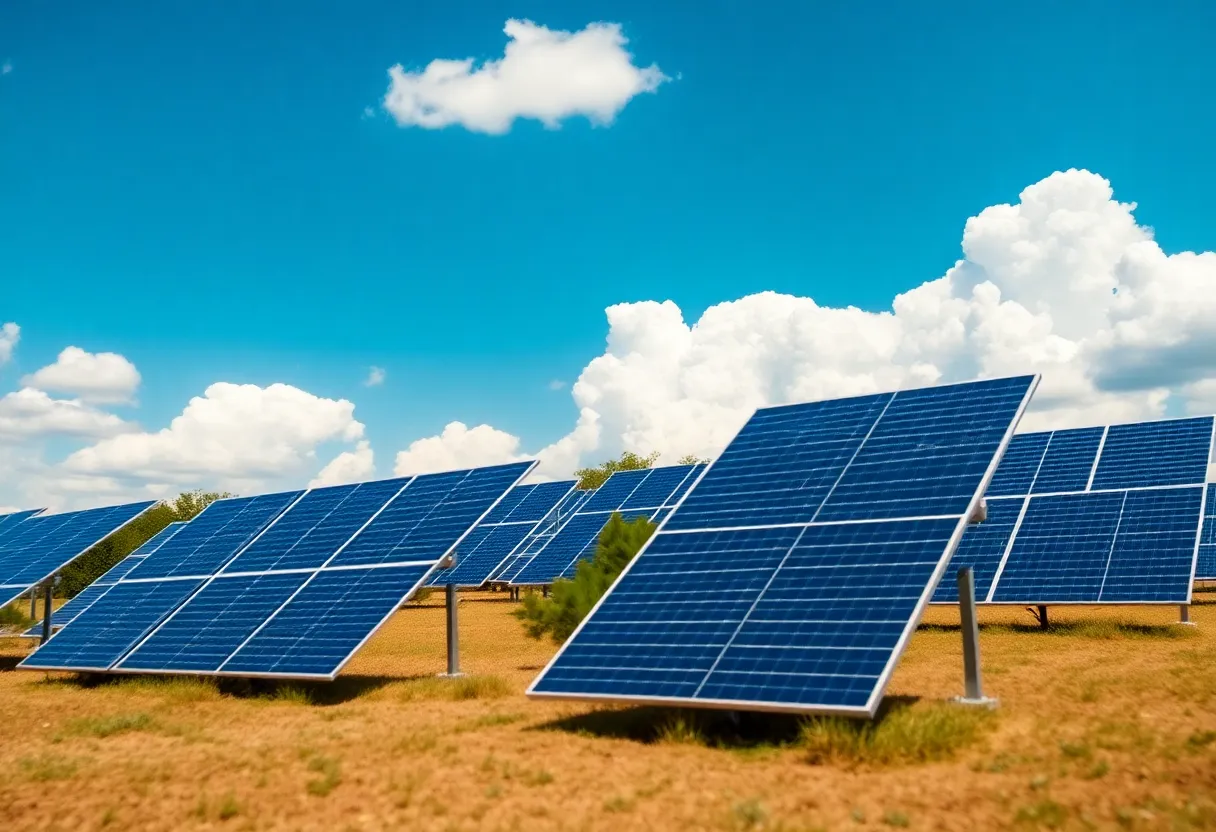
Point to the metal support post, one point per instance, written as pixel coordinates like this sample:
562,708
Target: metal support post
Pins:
33,603
973,689
1042,613
1184,615
46,610
453,633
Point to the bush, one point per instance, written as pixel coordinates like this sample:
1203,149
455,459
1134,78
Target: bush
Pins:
569,601
595,477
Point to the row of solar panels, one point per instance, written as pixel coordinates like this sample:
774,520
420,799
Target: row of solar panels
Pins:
789,575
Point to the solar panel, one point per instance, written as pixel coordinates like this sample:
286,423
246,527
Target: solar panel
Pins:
306,614
793,572
1102,515
38,547
86,597
502,533
541,535
1205,565
635,494
9,522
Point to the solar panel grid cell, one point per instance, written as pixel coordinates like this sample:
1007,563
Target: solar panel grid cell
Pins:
1205,565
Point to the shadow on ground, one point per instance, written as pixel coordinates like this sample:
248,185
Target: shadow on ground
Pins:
322,694
1099,629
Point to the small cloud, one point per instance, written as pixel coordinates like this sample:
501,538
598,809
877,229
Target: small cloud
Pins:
375,377
557,384
369,112
6,68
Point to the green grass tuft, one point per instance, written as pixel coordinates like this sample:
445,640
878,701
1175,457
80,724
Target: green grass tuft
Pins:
904,734
13,618
330,772
291,694
47,767
681,729
897,819
1046,814
459,689
750,814
108,726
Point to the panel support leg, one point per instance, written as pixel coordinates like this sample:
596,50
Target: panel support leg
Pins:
46,610
453,633
33,603
1042,616
544,591
973,689
1184,615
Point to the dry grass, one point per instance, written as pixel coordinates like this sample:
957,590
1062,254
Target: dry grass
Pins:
1107,720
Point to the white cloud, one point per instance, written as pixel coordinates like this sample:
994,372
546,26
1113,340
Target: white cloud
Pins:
347,467
557,384
1065,282
101,378
32,414
235,436
459,446
6,68
375,377
10,334
545,74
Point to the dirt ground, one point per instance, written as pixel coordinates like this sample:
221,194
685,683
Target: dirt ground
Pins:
1106,721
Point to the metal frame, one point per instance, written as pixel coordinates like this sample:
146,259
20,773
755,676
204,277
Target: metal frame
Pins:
879,689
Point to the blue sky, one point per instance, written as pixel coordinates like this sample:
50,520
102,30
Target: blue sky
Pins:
197,187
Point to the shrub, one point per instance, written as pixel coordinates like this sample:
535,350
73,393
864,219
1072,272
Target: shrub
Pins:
569,601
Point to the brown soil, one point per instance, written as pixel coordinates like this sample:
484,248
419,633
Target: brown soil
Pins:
1109,722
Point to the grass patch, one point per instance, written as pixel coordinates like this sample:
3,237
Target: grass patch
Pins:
1045,814
904,734
897,819
291,694
13,618
680,729
228,808
743,732
330,772
459,689
46,767
108,726
1100,629
749,814
618,804
1200,739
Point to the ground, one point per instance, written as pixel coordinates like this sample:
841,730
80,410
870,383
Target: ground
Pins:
1108,720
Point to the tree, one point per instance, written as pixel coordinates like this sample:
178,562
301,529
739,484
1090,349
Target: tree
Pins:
692,459
569,601
96,561
595,476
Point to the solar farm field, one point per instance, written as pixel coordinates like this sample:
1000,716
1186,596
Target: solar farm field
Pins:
1106,720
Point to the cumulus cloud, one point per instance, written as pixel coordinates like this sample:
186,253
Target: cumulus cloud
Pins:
102,378
375,377
32,414
234,435
1065,282
459,446
347,467
10,334
545,74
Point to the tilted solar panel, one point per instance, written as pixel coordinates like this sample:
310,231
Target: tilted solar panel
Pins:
40,546
635,494
540,536
749,597
1104,515
10,522
1205,565
86,597
305,616
502,533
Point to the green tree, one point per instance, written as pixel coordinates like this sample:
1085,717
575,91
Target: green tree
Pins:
569,601
692,459
96,561
595,476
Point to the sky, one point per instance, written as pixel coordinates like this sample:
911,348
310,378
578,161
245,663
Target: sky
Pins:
253,246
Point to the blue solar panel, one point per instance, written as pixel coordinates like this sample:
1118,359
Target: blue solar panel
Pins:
634,493
214,536
491,543
10,522
41,546
196,626
982,548
204,632
316,527
1079,541
106,630
1171,452
85,598
1205,564
749,598
541,535
318,631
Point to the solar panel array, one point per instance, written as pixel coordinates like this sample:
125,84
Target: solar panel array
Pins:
792,574
87,596
9,522
284,585
36,547
1205,563
503,533
1093,515
650,493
